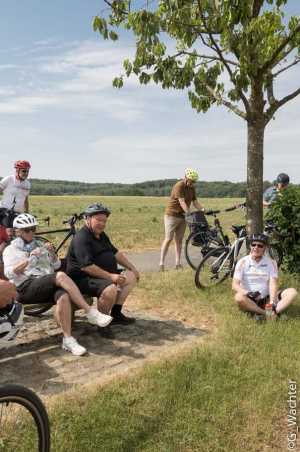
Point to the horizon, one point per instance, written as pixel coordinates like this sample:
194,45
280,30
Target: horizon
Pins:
59,110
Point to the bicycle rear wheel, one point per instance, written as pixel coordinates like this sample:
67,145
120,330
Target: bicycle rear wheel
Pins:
214,268
24,423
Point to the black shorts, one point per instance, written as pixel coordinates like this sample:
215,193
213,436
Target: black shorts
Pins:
42,289
262,303
92,286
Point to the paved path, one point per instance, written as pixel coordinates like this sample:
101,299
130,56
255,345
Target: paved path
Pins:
149,260
37,360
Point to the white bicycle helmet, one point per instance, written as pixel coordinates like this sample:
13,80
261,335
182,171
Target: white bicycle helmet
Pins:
11,321
191,174
24,220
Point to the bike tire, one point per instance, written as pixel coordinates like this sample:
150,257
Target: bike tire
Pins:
210,271
192,252
19,406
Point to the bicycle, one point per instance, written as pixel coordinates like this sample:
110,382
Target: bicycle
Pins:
24,422
219,263
38,309
202,238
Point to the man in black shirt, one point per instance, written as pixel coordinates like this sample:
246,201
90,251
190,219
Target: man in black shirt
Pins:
92,262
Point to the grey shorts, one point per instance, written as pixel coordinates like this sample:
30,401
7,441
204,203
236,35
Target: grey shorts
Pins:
174,226
42,289
92,286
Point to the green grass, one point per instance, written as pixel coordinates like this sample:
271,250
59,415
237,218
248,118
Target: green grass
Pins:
136,223
227,394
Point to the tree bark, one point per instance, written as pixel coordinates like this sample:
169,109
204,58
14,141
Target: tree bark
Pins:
255,158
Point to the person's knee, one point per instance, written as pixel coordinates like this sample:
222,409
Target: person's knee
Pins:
61,277
130,278
291,293
238,298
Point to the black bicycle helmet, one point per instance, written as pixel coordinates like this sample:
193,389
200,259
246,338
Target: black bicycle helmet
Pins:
262,238
283,178
95,208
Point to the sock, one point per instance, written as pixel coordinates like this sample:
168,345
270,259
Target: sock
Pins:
116,309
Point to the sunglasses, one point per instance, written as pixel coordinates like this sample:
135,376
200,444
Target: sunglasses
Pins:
24,171
257,245
33,229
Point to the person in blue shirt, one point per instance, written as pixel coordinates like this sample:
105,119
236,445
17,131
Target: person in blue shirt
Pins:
271,193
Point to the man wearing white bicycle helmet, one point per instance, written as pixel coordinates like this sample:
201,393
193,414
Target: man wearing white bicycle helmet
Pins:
183,194
31,265
255,282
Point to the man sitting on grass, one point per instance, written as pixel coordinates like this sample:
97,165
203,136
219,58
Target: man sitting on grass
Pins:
255,282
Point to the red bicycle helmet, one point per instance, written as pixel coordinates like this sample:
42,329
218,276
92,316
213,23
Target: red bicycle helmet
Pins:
22,164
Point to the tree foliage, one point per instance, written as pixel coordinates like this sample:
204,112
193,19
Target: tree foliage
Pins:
221,48
222,52
285,213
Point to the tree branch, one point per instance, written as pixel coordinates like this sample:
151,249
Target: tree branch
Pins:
225,102
273,108
219,52
257,4
210,57
296,61
279,49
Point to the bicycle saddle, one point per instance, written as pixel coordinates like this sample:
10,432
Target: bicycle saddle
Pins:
237,229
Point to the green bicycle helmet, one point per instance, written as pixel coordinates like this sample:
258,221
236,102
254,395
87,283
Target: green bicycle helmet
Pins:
191,174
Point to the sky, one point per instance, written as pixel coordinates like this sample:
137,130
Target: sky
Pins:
58,108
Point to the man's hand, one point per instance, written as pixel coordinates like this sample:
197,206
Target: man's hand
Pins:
136,273
117,279
254,296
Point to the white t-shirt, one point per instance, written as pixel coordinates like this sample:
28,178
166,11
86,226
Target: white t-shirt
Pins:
255,276
14,190
41,264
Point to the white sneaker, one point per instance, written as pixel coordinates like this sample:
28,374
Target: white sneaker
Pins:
71,345
97,318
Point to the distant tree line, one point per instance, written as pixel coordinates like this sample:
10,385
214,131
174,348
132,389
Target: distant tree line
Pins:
218,189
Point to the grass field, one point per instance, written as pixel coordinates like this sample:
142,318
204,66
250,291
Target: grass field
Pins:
229,393
136,223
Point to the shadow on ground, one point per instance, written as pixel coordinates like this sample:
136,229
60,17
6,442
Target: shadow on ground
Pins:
37,360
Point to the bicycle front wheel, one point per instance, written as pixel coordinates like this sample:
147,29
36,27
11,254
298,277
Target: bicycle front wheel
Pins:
24,423
214,268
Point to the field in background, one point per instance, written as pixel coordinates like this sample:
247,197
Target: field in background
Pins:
136,222
227,394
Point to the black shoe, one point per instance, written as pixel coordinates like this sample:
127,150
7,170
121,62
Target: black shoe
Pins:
106,332
121,319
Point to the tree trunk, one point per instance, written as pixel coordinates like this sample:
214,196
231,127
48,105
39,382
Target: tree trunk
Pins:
255,159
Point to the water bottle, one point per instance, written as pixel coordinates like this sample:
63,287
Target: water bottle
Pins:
268,310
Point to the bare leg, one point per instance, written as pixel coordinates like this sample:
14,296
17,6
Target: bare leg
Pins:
164,249
63,314
247,305
125,290
66,283
287,298
178,248
107,299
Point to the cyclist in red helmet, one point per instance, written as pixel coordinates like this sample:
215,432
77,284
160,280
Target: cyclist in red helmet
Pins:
15,188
